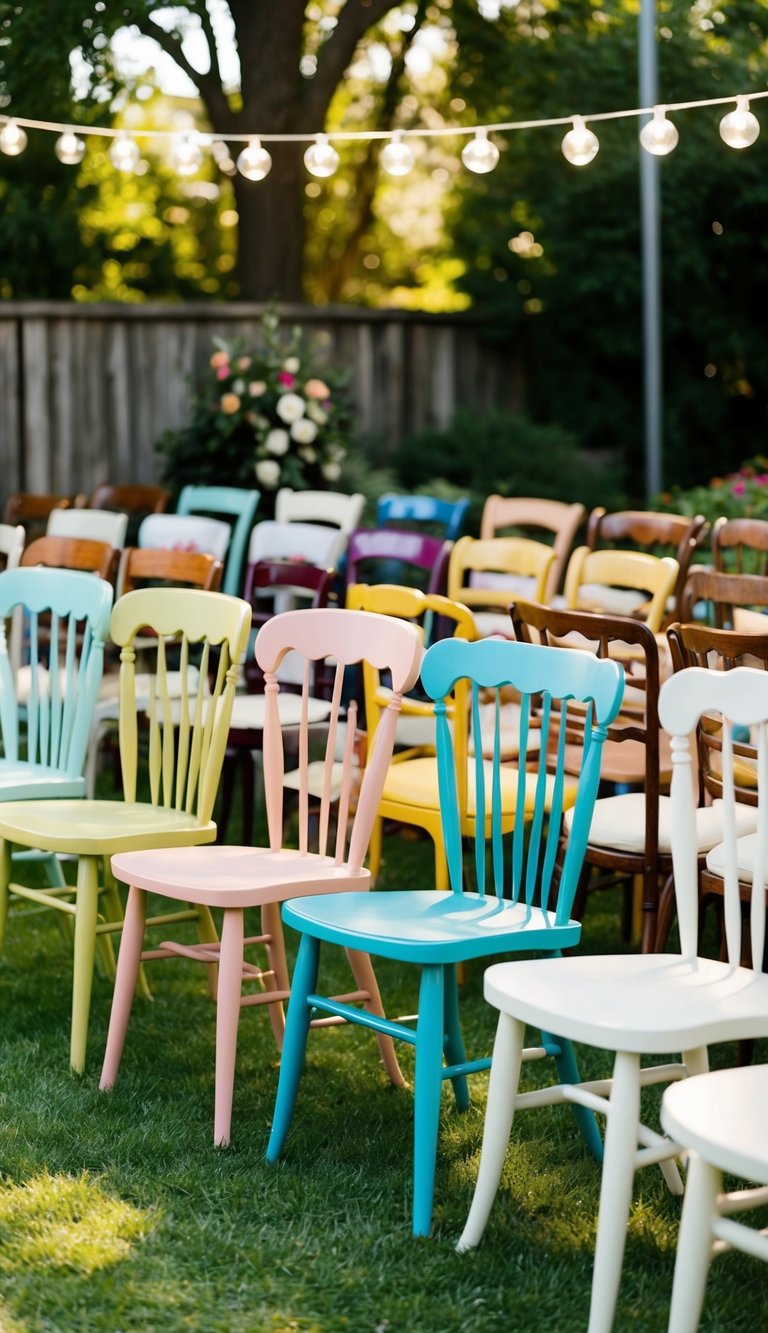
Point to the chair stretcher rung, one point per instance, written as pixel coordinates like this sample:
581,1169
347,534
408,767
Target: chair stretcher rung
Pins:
43,898
266,997
734,1235
466,1067
171,918
737,1201
362,1017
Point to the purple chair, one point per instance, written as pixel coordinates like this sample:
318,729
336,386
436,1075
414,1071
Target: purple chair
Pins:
391,555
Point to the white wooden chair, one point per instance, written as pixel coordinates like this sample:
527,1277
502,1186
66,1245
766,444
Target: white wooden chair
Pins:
96,525
656,1004
332,507
186,532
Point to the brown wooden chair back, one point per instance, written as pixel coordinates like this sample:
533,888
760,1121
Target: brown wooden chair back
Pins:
32,511
740,546
73,553
732,598
531,517
677,535
140,566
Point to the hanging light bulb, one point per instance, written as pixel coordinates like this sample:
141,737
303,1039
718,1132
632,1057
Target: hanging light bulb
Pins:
254,162
13,139
396,156
659,136
124,153
480,154
186,155
69,148
580,145
740,128
321,158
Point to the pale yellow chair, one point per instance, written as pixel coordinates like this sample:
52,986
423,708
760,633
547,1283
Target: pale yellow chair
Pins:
186,738
488,575
410,793
621,583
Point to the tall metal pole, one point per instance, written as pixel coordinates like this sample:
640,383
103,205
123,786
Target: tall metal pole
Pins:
650,233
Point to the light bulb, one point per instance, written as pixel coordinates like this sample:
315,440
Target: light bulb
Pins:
69,148
124,153
480,154
13,139
321,158
254,162
186,156
396,156
740,128
580,145
659,136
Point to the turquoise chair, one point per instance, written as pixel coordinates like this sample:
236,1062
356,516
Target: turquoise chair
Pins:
233,502
409,509
525,907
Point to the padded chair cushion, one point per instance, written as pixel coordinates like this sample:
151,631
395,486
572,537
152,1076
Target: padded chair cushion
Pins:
619,823
308,543
248,711
614,601
746,851
414,782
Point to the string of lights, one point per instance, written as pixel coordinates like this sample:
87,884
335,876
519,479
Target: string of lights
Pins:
739,128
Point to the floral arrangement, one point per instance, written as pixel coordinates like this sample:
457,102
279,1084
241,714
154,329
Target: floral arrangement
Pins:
263,418
741,494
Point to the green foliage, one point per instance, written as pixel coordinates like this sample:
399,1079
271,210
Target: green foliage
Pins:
742,494
262,415
506,453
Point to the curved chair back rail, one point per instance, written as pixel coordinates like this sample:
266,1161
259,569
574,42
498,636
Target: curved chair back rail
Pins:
740,545
98,525
308,543
130,499
407,509
385,548
185,532
514,565
532,516
595,573
238,504
657,533
332,507
732,597
95,557
161,564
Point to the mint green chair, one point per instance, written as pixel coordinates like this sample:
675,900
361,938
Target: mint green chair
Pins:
526,907
233,502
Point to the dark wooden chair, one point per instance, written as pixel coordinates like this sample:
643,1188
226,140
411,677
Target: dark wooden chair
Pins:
135,501
624,836
677,535
73,553
740,546
732,599
151,565
32,511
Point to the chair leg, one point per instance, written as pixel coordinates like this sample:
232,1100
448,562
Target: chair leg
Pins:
455,1052
568,1072
362,970
271,925
694,1245
128,964
86,903
502,1091
5,879
227,1019
207,934
295,1044
615,1190
428,1084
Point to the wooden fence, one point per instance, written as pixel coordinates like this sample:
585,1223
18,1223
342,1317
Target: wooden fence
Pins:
86,390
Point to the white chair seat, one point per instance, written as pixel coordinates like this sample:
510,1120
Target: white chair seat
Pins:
746,850
645,1003
619,823
721,1116
248,711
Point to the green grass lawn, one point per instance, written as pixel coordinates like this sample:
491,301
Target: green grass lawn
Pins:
117,1213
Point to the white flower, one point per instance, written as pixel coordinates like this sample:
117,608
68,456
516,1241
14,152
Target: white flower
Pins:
290,407
292,365
336,452
315,411
239,387
304,431
308,454
331,471
277,442
268,472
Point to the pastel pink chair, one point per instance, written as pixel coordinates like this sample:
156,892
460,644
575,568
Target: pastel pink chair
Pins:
235,878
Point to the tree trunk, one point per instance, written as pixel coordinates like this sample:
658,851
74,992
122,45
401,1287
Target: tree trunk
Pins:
271,228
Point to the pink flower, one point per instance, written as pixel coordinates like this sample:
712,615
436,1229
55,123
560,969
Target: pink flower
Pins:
243,362
222,372
761,479
229,404
316,389
739,488
287,379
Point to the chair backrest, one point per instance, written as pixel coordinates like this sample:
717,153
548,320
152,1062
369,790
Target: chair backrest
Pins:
449,515
309,543
349,637
159,564
529,517
32,510
94,557
240,505
612,581
494,572
387,554
12,538
547,679
188,726
65,664
266,584
331,507
96,525
738,699
731,598
740,545
657,533
185,532
135,501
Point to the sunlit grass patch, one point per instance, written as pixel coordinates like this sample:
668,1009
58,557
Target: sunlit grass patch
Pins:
57,1221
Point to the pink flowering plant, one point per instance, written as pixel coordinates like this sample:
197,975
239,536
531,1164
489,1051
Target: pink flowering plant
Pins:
263,418
741,494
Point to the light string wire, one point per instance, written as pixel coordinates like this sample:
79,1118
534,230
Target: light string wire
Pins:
342,136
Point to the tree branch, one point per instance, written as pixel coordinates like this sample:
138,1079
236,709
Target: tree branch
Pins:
209,87
356,17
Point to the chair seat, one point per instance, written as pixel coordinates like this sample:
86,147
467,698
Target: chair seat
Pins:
425,925
249,709
414,782
653,1003
494,622
234,876
613,601
98,828
21,781
722,1116
746,851
618,823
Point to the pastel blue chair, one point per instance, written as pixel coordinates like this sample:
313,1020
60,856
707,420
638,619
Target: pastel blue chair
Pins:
409,509
526,906
234,502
